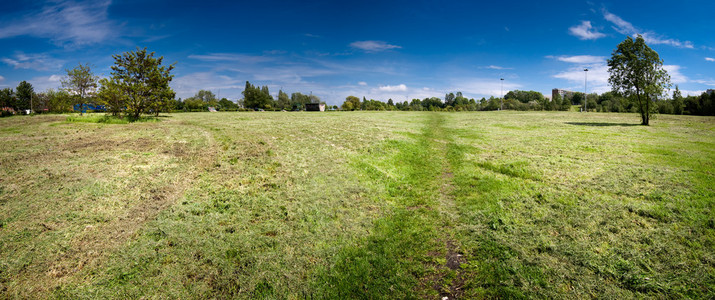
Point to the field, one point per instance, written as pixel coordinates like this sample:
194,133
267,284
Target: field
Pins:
358,205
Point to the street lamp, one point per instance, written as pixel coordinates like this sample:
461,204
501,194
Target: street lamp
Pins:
501,106
585,91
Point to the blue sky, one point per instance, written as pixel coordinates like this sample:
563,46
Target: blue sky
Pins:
377,49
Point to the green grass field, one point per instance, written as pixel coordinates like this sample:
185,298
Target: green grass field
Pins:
358,205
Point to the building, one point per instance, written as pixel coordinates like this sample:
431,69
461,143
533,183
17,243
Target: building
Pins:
710,91
315,106
563,93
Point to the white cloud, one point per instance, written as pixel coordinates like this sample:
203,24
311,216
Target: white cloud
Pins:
710,59
39,62
373,46
44,83
709,82
393,88
692,92
577,77
580,59
675,75
585,31
493,67
362,83
624,27
64,22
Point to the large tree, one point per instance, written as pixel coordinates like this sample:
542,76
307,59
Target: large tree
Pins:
637,73
143,82
79,82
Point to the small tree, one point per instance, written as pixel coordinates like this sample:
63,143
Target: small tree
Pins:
7,98
637,73
111,97
677,101
140,78
80,81
23,95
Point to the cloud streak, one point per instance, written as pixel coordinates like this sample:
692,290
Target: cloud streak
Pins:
710,59
38,62
64,22
585,31
625,27
493,67
373,46
580,59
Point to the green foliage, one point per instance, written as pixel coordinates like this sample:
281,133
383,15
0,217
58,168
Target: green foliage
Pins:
283,102
525,96
227,105
111,97
142,82
678,103
23,94
79,82
636,72
7,98
257,98
351,103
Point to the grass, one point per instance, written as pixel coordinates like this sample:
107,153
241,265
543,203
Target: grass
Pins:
106,119
358,205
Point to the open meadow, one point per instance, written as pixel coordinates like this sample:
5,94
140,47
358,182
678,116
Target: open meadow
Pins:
358,205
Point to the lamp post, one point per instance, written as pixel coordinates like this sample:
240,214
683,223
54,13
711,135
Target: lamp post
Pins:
501,106
585,90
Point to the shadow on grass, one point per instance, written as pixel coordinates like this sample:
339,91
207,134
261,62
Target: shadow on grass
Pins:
600,124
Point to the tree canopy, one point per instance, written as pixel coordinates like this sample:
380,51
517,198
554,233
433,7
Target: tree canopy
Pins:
79,82
636,72
142,82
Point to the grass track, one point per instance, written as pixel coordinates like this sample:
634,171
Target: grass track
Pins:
358,205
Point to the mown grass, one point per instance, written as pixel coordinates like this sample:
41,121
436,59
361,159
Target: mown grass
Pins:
107,119
358,205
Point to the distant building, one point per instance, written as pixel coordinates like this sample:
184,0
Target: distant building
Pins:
315,106
710,91
563,93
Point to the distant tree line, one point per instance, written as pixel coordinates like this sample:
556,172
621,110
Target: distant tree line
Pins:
532,100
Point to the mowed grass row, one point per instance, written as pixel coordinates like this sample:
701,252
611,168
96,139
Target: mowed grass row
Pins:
358,205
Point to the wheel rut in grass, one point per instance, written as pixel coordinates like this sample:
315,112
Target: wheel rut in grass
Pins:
448,279
411,251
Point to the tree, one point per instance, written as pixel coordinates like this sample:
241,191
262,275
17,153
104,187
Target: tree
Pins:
677,101
111,96
80,81
257,98
225,104
283,101
207,97
7,98
143,82
23,95
351,103
636,72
